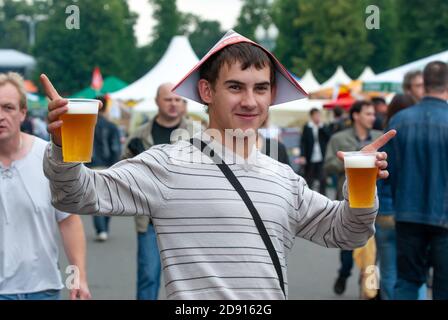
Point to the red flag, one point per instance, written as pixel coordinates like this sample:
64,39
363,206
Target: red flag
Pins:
97,80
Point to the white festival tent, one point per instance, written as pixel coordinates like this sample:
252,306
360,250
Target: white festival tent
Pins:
13,60
177,61
391,80
337,79
366,74
308,82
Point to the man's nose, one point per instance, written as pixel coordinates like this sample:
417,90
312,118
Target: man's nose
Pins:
249,100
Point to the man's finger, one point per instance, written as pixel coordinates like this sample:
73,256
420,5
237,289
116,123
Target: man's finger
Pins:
73,294
383,174
381,141
57,103
340,155
50,91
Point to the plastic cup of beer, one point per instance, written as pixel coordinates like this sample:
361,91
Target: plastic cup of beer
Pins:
78,129
361,173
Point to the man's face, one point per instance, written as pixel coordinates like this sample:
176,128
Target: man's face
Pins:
240,98
169,103
183,108
381,108
417,89
366,117
11,115
315,117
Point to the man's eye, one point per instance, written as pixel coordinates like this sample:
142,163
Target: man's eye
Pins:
235,87
264,88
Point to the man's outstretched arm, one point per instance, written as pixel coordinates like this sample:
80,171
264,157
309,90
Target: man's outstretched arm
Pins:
128,188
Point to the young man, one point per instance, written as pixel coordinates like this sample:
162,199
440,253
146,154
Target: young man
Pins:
29,224
313,145
209,245
362,115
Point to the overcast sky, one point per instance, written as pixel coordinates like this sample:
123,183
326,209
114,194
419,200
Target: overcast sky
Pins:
225,11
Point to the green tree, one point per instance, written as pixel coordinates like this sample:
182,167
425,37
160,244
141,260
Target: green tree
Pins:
168,24
13,33
203,34
385,41
253,13
334,34
105,39
423,28
290,38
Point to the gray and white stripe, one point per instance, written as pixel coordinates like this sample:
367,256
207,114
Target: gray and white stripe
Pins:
209,245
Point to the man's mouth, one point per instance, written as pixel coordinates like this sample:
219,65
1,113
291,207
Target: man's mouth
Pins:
246,116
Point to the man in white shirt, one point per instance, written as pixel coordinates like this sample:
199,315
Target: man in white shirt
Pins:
313,144
29,224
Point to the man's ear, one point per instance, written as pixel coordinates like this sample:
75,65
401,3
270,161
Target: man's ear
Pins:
205,91
23,112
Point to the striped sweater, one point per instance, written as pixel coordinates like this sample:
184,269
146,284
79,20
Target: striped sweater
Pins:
209,245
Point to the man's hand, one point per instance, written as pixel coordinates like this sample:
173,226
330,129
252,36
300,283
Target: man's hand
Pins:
56,107
83,293
381,157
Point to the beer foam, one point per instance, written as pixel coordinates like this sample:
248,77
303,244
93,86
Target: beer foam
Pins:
367,161
83,107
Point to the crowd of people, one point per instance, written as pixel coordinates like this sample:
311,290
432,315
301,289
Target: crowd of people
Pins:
411,221
191,223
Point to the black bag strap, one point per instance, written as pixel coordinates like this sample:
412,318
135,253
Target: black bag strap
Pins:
243,194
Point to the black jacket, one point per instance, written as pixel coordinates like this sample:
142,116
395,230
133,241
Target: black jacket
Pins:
107,144
307,141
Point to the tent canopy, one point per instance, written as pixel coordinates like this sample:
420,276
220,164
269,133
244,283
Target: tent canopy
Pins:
391,80
309,82
175,63
111,84
338,78
15,59
366,74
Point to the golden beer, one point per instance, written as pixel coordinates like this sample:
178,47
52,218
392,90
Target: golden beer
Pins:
78,130
361,173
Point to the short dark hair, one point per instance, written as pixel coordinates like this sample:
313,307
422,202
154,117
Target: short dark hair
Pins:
408,77
435,76
246,53
313,111
357,107
378,100
398,103
103,101
338,111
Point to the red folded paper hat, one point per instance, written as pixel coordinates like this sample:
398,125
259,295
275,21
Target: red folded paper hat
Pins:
287,87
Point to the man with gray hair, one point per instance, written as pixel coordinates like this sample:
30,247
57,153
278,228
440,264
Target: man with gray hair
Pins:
419,184
29,224
413,84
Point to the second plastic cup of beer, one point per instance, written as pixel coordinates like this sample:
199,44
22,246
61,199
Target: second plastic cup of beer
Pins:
361,173
78,129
